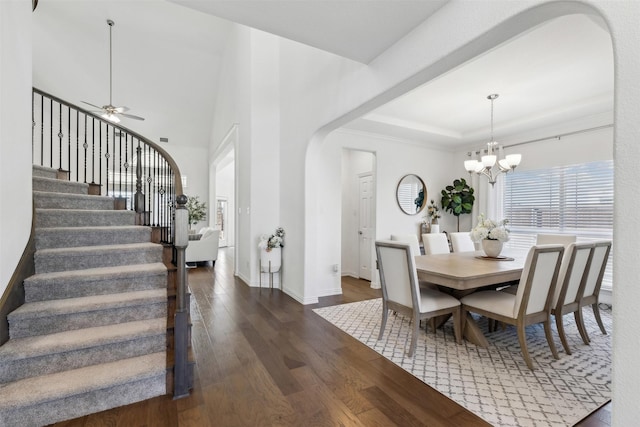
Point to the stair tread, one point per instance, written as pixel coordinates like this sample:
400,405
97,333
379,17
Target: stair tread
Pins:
40,309
60,385
54,194
21,348
84,211
101,272
103,248
92,228
56,180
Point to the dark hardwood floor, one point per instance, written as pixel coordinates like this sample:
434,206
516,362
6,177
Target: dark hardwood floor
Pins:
265,360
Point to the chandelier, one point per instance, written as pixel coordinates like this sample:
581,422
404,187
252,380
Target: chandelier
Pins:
486,165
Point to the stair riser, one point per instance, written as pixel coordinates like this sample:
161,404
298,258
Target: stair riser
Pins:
67,238
59,186
84,404
51,290
65,261
62,201
43,172
52,363
73,218
20,328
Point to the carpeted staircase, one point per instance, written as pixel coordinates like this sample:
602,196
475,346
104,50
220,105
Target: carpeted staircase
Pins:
92,334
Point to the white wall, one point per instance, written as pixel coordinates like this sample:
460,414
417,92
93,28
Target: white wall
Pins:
192,163
393,160
15,134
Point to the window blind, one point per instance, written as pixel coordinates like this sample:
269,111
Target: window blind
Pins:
576,199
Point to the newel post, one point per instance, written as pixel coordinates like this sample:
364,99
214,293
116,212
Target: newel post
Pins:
181,324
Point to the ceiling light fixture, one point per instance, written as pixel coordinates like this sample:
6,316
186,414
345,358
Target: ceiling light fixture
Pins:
485,166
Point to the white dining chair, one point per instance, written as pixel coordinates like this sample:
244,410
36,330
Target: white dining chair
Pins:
412,239
572,278
555,239
532,302
435,243
593,283
461,242
401,293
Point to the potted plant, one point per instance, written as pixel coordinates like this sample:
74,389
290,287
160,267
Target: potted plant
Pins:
197,211
457,199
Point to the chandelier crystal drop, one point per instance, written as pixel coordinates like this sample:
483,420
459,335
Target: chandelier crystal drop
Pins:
486,165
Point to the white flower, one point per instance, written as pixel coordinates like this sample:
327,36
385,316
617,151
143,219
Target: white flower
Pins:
490,229
275,240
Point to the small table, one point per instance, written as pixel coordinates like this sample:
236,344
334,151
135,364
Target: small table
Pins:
462,273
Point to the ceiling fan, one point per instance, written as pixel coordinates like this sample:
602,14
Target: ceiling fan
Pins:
109,111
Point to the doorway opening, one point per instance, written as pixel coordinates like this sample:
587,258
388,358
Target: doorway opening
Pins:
358,215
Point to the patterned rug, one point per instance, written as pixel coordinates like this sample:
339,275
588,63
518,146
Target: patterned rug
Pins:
495,383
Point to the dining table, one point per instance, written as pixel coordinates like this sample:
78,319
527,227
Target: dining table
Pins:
461,273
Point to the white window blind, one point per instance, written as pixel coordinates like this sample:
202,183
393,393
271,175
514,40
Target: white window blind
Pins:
575,199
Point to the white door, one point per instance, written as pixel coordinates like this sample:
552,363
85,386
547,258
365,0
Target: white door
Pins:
221,220
365,225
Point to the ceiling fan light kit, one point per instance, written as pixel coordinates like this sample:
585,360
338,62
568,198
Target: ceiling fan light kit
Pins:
109,111
485,166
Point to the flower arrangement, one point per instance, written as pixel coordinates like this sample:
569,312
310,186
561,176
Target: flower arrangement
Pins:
276,240
433,212
490,229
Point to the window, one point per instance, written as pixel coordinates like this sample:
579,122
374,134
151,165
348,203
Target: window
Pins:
575,199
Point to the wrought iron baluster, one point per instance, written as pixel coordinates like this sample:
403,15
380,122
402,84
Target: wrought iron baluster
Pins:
77,145
51,133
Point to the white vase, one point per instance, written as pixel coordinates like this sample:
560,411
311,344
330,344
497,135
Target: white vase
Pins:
270,261
435,228
492,248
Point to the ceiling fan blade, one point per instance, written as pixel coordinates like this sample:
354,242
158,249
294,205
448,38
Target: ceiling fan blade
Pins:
121,109
131,116
93,105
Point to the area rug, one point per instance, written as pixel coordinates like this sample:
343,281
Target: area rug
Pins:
495,383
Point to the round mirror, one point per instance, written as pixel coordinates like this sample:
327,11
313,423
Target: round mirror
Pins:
411,194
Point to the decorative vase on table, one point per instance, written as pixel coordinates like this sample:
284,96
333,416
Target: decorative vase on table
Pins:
435,227
492,248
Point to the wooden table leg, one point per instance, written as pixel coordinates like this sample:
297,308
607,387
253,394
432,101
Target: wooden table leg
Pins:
473,334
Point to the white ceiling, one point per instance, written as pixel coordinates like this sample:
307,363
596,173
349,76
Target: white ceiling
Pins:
355,29
167,60
559,72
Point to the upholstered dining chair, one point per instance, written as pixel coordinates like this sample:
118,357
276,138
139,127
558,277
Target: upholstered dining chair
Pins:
532,302
412,239
435,243
574,269
591,292
461,242
555,239
401,293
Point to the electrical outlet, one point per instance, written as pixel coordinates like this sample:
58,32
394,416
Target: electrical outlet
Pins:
335,268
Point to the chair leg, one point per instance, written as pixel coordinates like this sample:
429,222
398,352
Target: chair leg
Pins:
385,313
581,328
522,337
563,337
414,337
596,313
547,332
